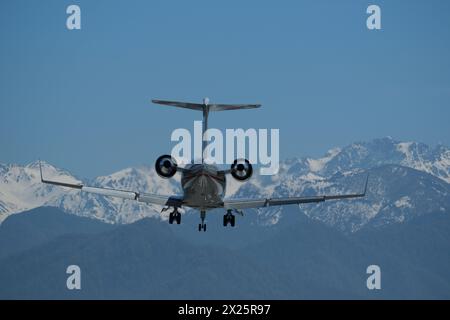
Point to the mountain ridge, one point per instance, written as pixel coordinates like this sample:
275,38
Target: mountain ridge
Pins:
336,172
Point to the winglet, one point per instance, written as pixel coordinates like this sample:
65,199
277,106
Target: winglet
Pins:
57,183
365,186
40,170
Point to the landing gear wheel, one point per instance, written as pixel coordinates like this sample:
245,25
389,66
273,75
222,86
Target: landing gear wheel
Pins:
171,218
202,226
178,218
229,218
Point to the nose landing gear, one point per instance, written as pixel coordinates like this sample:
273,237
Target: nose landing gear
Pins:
202,226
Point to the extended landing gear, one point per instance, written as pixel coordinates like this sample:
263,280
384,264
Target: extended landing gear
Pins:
229,218
202,226
174,216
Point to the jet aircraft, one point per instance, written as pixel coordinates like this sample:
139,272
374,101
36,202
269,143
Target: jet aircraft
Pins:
204,184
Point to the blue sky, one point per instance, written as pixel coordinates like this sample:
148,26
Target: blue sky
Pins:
80,99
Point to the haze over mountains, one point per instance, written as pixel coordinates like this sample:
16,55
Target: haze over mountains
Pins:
407,179
149,259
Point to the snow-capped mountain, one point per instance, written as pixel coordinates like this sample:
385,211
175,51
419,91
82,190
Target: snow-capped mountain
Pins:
21,189
406,179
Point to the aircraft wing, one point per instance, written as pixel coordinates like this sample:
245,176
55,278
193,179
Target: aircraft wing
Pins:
173,201
267,202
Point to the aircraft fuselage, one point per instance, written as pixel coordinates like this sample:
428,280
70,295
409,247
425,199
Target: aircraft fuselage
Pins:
204,186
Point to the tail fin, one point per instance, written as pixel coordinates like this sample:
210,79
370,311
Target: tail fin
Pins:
205,107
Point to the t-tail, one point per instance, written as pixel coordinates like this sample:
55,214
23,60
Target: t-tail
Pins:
206,107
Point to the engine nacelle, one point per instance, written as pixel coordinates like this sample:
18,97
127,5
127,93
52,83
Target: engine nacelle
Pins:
166,166
241,169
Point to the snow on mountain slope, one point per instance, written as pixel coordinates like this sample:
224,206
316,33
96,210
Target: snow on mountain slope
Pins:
316,165
21,189
395,194
366,155
421,157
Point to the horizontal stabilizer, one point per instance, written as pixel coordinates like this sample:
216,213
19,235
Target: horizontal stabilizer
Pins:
186,105
203,106
223,107
206,107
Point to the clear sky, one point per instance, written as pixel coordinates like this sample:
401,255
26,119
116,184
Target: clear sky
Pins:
81,99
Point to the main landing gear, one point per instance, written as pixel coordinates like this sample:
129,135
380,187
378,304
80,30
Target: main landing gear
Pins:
173,216
229,218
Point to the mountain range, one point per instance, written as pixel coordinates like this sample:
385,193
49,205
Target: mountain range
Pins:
407,179
127,250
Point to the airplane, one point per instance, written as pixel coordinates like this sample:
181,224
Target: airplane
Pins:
204,184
